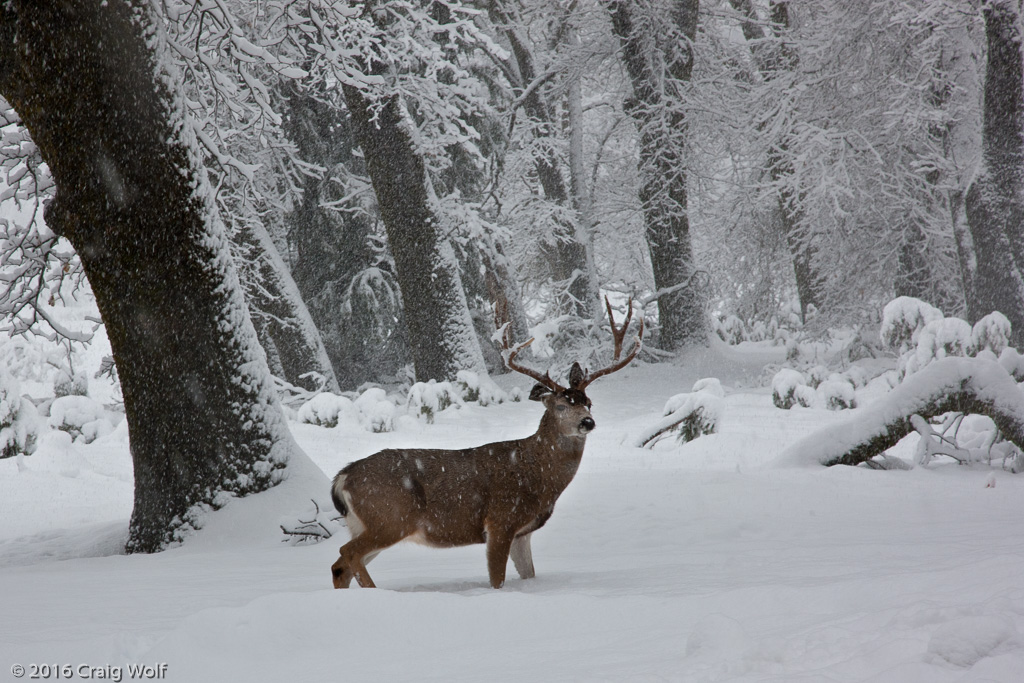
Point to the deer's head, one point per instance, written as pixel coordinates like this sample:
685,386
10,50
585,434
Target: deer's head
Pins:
568,408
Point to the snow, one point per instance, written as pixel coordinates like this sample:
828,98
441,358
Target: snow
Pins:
964,642
702,561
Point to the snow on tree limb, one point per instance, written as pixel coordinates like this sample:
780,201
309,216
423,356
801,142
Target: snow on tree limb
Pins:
967,385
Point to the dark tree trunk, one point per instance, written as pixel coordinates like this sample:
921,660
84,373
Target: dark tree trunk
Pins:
282,314
362,329
965,254
662,125
771,59
91,83
995,200
568,255
441,334
913,274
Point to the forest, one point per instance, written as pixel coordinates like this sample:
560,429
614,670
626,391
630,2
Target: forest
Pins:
244,243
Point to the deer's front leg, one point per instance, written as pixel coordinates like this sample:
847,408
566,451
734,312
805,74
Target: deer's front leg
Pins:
499,542
341,574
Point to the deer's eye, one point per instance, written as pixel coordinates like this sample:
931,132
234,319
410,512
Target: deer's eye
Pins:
560,408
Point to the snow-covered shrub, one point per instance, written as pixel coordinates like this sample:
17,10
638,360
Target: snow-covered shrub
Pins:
938,339
709,385
992,333
70,384
785,392
689,416
468,384
482,390
376,412
515,394
326,410
816,375
903,318
837,394
700,416
19,429
792,350
858,376
730,329
922,335
81,417
942,338
427,399
1013,362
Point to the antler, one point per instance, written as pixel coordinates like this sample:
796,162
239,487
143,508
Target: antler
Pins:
510,360
618,334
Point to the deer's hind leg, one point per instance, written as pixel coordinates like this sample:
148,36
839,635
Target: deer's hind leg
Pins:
522,556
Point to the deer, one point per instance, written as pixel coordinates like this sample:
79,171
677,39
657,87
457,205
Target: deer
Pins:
497,494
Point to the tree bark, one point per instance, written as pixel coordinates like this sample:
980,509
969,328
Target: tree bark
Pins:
964,385
93,85
441,334
995,200
662,126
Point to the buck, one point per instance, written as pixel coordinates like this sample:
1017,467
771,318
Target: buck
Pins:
498,493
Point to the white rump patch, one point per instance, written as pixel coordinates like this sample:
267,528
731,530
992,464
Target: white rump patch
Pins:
352,521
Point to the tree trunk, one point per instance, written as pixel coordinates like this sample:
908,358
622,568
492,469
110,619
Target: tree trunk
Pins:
965,385
441,334
913,274
662,125
283,315
92,84
995,200
965,255
360,319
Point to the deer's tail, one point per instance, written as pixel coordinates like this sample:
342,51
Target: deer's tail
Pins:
337,495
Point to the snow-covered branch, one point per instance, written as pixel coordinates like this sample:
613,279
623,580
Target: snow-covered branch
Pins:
967,385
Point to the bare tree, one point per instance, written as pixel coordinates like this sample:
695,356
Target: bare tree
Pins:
572,265
775,58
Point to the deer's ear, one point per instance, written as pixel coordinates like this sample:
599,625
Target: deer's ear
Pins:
538,392
576,375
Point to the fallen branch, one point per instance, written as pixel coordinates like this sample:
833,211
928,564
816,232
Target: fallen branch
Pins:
966,385
312,530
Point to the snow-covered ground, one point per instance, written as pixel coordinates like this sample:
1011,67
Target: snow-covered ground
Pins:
701,562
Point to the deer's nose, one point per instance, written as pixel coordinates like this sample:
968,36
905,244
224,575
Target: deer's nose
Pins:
587,424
